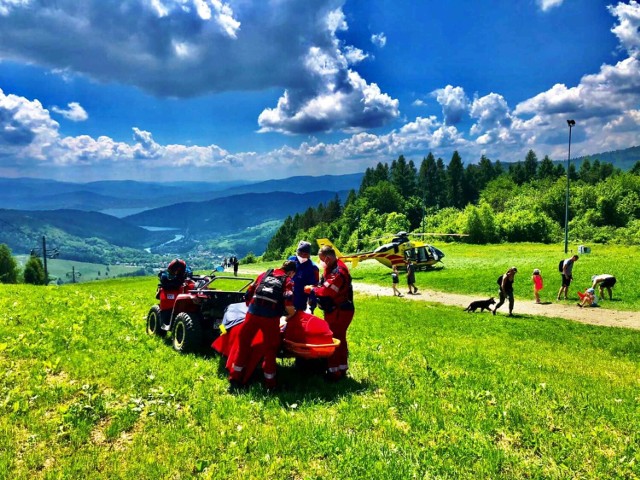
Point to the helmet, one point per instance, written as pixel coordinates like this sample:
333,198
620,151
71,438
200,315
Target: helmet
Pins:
177,267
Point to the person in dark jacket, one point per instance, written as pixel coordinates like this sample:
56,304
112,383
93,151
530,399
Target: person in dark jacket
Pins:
506,289
307,273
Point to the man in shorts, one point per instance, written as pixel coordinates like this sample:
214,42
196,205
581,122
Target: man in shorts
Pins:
604,280
567,276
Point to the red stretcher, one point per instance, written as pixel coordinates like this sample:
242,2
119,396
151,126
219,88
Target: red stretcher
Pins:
303,336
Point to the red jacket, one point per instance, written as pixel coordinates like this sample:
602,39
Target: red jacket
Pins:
336,290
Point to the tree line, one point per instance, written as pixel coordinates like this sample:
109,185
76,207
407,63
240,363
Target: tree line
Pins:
489,201
33,272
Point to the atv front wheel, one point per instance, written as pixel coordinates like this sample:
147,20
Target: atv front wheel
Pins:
154,322
187,333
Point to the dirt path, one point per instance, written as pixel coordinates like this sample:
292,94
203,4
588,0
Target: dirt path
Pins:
569,310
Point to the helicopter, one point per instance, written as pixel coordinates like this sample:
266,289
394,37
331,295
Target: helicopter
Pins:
396,252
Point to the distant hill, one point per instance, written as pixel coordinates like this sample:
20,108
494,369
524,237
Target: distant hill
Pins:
38,194
300,184
231,214
623,159
79,224
123,195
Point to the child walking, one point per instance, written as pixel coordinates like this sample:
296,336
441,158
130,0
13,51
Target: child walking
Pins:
537,284
395,280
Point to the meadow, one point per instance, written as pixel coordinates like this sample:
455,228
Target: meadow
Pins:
433,393
473,270
84,271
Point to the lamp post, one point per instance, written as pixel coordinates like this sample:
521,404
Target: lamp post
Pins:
571,124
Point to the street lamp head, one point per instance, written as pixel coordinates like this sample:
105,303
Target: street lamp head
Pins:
571,123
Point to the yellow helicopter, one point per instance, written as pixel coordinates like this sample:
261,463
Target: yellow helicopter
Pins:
396,252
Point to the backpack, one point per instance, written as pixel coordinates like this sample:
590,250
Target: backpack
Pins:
271,288
560,266
499,281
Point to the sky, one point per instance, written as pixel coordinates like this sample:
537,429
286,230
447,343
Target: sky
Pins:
213,90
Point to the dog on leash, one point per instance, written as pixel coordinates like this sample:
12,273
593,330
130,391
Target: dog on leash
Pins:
480,304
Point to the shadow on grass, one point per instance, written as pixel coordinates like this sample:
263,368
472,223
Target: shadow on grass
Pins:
298,382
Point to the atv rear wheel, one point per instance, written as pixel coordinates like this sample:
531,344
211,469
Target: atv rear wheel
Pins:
154,322
187,332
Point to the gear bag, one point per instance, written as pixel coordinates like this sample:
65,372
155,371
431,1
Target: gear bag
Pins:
271,289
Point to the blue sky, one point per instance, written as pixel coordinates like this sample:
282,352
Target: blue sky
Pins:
214,90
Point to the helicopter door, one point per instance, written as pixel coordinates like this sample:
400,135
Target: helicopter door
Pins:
410,254
423,255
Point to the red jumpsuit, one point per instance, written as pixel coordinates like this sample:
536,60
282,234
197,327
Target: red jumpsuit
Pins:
335,297
262,316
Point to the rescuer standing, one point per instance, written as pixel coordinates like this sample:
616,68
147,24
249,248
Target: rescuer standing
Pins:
335,298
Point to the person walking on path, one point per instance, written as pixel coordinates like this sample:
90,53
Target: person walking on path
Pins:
411,277
506,289
235,263
567,276
335,298
395,281
267,298
538,285
307,273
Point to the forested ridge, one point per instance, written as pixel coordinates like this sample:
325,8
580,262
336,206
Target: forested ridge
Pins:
489,201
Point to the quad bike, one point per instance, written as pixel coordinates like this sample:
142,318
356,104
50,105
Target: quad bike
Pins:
193,311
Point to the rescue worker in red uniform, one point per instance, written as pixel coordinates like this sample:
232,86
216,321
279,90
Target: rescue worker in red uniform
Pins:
268,297
335,298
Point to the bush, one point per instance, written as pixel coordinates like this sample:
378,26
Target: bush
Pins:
8,266
34,272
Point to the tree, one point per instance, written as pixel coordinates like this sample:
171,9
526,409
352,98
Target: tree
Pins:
546,169
441,185
403,176
530,166
429,183
455,177
8,266
34,272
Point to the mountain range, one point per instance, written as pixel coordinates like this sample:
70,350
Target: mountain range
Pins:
124,220
127,220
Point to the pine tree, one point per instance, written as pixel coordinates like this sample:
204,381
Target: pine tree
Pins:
546,169
455,177
34,272
8,266
530,166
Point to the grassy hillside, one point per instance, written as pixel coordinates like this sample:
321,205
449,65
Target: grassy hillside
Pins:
473,269
433,393
231,214
84,271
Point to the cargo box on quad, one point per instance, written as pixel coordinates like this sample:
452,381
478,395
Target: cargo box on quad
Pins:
194,311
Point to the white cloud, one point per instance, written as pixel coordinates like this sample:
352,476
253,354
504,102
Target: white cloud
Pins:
547,5
605,105
628,28
185,48
354,55
379,39
454,103
73,112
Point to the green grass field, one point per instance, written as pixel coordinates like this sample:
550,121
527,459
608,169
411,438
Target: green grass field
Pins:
84,271
433,393
473,269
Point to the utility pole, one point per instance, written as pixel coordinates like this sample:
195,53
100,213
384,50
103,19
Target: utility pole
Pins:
44,259
571,124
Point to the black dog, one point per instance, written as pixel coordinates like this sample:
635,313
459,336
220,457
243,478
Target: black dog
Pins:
480,304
